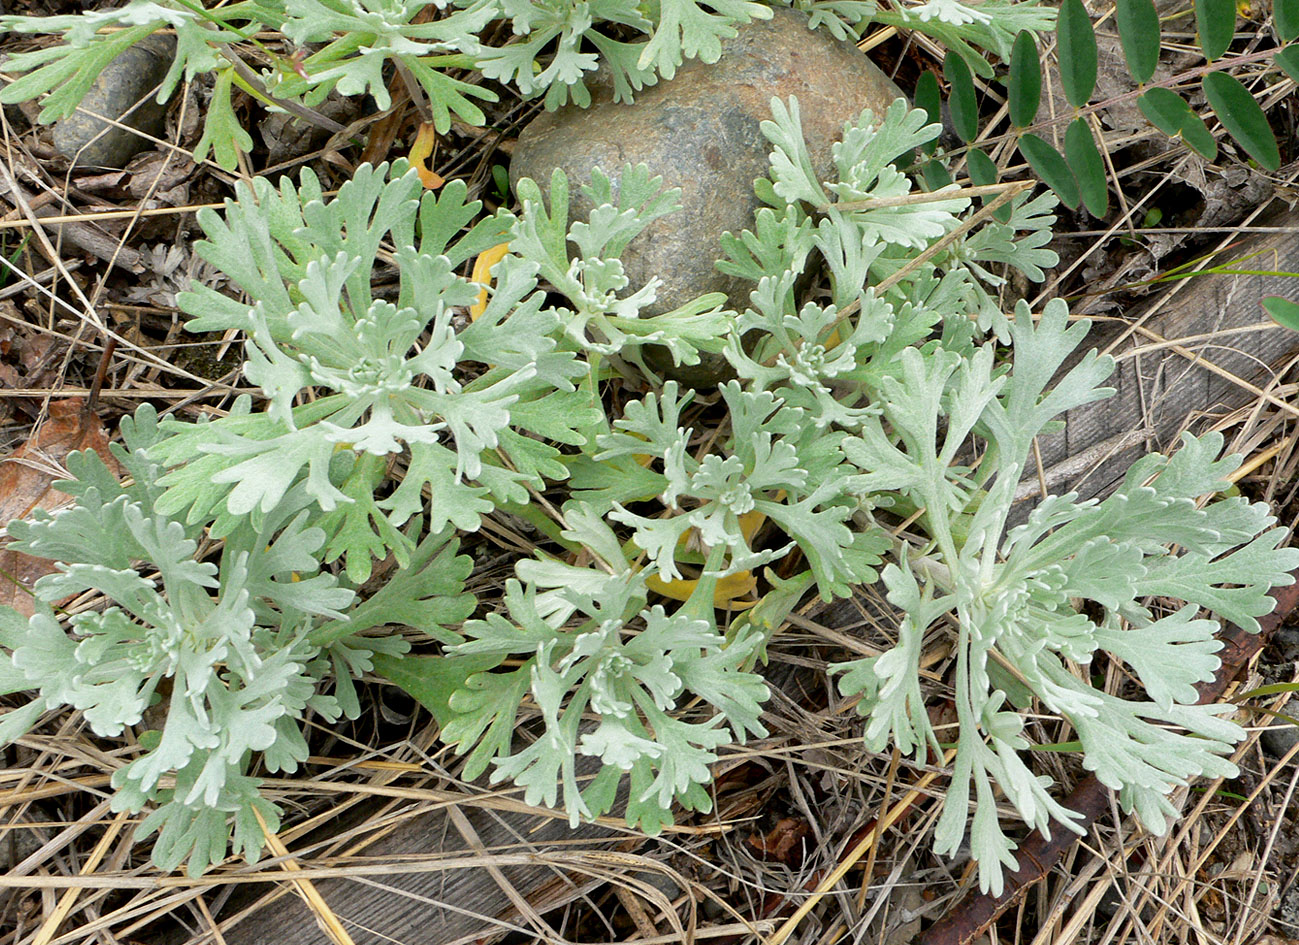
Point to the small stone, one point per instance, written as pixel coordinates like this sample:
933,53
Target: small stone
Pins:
132,76
1279,739
1285,642
700,132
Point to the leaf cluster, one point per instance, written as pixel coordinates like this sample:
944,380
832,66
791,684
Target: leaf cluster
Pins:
210,661
462,407
1077,173
583,642
553,49
1019,594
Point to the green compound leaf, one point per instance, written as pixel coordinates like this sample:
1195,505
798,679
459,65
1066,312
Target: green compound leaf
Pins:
1051,167
67,72
1242,117
1088,168
1168,112
1215,21
1025,85
930,99
1285,16
965,110
1076,52
1139,33
1284,312
1288,60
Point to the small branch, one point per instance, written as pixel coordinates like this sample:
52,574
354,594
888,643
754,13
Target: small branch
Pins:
297,110
92,402
906,200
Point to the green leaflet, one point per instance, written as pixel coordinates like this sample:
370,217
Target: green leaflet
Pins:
1168,112
965,109
1242,116
1138,24
928,97
1288,60
1024,86
1283,311
1052,167
1215,21
1077,52
1088,168
1285,15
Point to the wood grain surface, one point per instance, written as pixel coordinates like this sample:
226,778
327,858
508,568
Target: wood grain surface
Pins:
1199,349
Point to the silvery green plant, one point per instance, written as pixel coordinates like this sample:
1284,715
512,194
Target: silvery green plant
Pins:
420,423
584,640
392,416
914,409
345,46
311,263
1017,595
211,662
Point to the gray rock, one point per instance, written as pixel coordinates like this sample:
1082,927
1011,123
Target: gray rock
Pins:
130,78
700,133
1285,641
1278,739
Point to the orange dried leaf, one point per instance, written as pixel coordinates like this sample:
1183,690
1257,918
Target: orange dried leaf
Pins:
726,595
482,274
420,152
26,478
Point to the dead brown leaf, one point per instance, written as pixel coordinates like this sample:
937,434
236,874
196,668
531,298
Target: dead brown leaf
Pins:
784,842
26,477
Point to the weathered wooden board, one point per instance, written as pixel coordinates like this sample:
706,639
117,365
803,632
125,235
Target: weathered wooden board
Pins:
1158,387
1203,347
445,876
